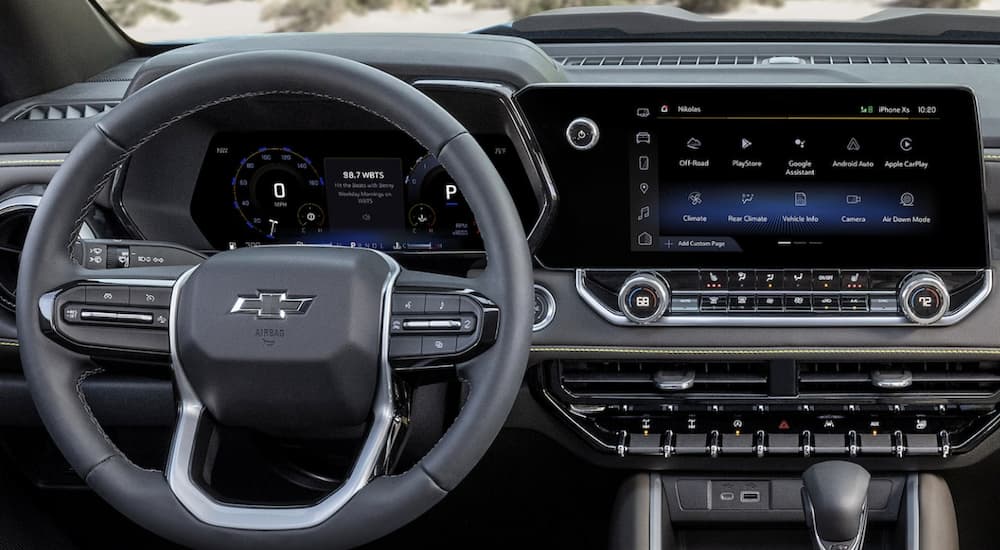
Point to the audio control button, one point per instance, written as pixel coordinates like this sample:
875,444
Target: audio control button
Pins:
583,134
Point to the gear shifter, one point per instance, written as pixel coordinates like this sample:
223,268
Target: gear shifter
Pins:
835,502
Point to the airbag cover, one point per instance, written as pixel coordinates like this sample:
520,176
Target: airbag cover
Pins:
284,339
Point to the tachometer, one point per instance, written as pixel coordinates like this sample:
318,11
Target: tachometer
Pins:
278,192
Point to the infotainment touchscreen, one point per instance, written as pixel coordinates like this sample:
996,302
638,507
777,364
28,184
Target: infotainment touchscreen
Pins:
762,176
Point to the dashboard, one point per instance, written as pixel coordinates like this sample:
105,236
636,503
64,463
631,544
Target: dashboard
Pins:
770,246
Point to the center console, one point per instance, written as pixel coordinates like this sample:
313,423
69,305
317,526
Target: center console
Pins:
767,206
806,207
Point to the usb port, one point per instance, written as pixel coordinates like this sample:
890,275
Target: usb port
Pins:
749,496
727,496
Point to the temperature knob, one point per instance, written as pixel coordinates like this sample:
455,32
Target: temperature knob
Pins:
923,297
644,298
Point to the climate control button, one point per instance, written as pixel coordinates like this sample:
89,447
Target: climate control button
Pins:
644,298
923,298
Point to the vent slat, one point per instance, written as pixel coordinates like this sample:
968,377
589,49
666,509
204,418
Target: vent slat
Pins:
596,379
65,112
929,378
593,61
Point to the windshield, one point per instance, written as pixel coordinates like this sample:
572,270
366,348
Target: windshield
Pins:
181,20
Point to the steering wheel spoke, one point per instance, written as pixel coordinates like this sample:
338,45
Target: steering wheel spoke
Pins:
440,320
112,313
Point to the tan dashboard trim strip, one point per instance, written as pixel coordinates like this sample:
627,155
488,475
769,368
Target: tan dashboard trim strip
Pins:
759,351
29,162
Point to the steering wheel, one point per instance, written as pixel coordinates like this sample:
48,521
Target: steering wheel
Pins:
330,367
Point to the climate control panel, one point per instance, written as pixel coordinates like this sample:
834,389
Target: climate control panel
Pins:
777,408
783,297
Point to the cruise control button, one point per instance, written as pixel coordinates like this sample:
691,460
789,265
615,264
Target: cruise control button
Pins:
438,345
149,296
442,304
161,319
97,316
71,313
468,323
408,303
117,295
136,318
798,302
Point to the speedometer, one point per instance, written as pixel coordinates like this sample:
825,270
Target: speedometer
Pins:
279,193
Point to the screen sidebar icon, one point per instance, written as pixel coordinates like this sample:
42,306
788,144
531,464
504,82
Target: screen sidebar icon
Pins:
643,191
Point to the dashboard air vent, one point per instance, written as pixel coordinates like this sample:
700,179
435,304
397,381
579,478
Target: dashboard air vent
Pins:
689,60
15,218
655,379
940,378
65,112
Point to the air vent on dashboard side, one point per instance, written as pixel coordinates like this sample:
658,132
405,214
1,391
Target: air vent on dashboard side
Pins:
15,218
65,112
688,60
941,378
654,379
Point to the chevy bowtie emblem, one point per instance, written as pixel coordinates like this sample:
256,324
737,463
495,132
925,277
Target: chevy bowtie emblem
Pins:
272,304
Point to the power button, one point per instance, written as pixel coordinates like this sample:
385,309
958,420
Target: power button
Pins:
582,134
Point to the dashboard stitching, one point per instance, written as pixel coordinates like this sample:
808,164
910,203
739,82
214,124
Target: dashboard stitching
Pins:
755,351
109,175
90,413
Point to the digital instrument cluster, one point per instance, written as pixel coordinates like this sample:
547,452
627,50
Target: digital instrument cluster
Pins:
374,189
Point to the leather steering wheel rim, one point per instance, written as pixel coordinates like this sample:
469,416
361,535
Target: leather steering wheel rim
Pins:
55,373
